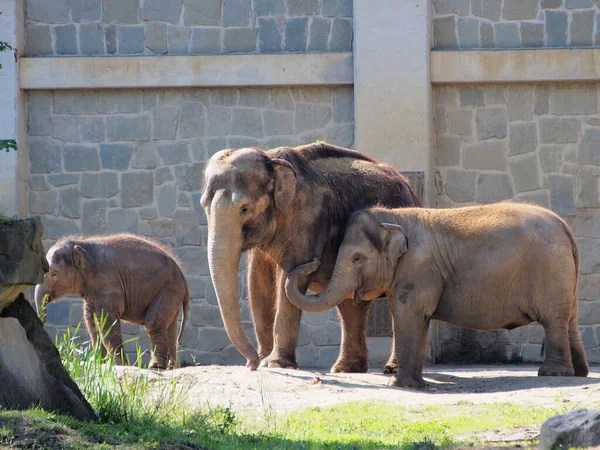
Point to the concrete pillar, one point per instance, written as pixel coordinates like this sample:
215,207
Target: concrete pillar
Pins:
392,92
11,106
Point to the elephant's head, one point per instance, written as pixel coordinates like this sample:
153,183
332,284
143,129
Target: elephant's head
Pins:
245,191
68,262
365,265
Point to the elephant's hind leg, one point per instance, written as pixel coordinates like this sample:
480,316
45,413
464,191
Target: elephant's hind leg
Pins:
161,326
558,349
578,357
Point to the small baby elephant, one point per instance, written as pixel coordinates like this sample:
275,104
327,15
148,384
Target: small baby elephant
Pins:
127,277
503,265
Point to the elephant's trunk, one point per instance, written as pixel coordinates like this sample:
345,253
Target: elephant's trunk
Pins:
337,290
40,293
224,251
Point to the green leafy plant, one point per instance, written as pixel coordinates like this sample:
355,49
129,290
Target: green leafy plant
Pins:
6,144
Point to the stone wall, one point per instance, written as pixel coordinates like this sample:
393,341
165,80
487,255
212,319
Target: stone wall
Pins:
471,24
176,27
132,160
539,143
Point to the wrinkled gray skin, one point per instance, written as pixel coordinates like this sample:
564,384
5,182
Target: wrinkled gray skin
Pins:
484,267
128,278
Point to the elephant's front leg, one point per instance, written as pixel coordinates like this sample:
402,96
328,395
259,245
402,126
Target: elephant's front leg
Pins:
90,323
353,355
111,333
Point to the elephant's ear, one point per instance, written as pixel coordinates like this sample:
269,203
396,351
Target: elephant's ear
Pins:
285,184
81,258
394,241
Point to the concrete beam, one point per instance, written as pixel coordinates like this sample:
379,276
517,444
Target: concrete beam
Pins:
515,66
186,71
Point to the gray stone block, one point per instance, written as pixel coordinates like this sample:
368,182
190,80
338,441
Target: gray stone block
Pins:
340,135
38,41
120,101
589,148
254,97
163,175
491,123
589,251
165,122
556,28
149,99
439,120
93,217
522,138
194,260
343,8
137,189
65,128
278,122
62,179
520,9
551,157
178,39
65,39
281,99
562,194
269,7
531,353
240,40
184,200
246,122
212,339
190,176
161,10
447,152
573,100
541,198
198,149
170,97
202,12
524,171
551,4
236,13
468,33
70,203
115,156
85,10
110,35
173,153
460,7
214,145
488,39
145,157
99,185
489,155
471,96
58,313
166,199
224,97
42,202
343,105
45,156
318,34
129,128
295,34
205,41
579,4
489,9
460,121
444,33
302,7
45,12
460,185
317,94
508,35
191,120
218,121
57,227
542,100
269,36
242,142
554,130
341,35
80,158
277,141
493,187
593,121
187,228
582,29
532,34
75,102
311,117
588,337
38,114
120,11
148,213
155,35
91,39
588,188
38,183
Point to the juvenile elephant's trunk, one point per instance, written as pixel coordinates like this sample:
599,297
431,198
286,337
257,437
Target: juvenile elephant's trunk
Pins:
224,251
40,292
337,290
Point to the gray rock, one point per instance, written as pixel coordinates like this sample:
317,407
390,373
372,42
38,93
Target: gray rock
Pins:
576,429
165,122
562,194
551,4
149,99
190,177
579,4
110,35
187,228
84,10
582,29
541,198
311,117
115,156
62,179
161,10
70,203
542,100
532,34
155,35
163,175
240,40
471,96
173,153
341,35
241,142
131,39
137,189
194,260
218,121
556,28
212,339
589,250
178,39
573,100
269,7
224,97
93,217
122,221
58,313
38,114
91,39
42,202
508,35
318,34
278,122
460,7
166,197
524,173
129,128
555,130
489,155
295,34
302,7
39,40
80,158
205,41
488,39
551,157
198,149
170,97
215,144
145,157
491,123
75,102
148,213
520,9
269,36
460,185
42,11
447,152
65,128
343,105
246,122
489,9
191,120
202,12
588,337
589,147
468,33
99,185
588,189
45,156
65,39
281,99
460,122
493,187
236,13
56,227
38,183
120,11
184,200
343,8
317,94
254,97
522,138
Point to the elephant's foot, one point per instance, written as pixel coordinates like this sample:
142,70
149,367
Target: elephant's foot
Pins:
278,361
350,366
158,364
407,382
555,370
391,366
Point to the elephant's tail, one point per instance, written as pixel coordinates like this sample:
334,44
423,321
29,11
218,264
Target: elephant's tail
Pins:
575,250
186,309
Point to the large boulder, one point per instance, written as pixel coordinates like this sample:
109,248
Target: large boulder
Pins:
575,429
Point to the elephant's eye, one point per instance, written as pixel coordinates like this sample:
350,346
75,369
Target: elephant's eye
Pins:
356,258
244,209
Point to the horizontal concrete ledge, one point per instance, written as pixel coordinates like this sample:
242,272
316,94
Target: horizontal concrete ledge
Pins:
186,71
509,66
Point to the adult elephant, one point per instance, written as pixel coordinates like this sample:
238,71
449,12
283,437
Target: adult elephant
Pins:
287,206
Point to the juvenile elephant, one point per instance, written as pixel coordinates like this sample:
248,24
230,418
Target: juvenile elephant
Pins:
483,267
286,205
128,278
